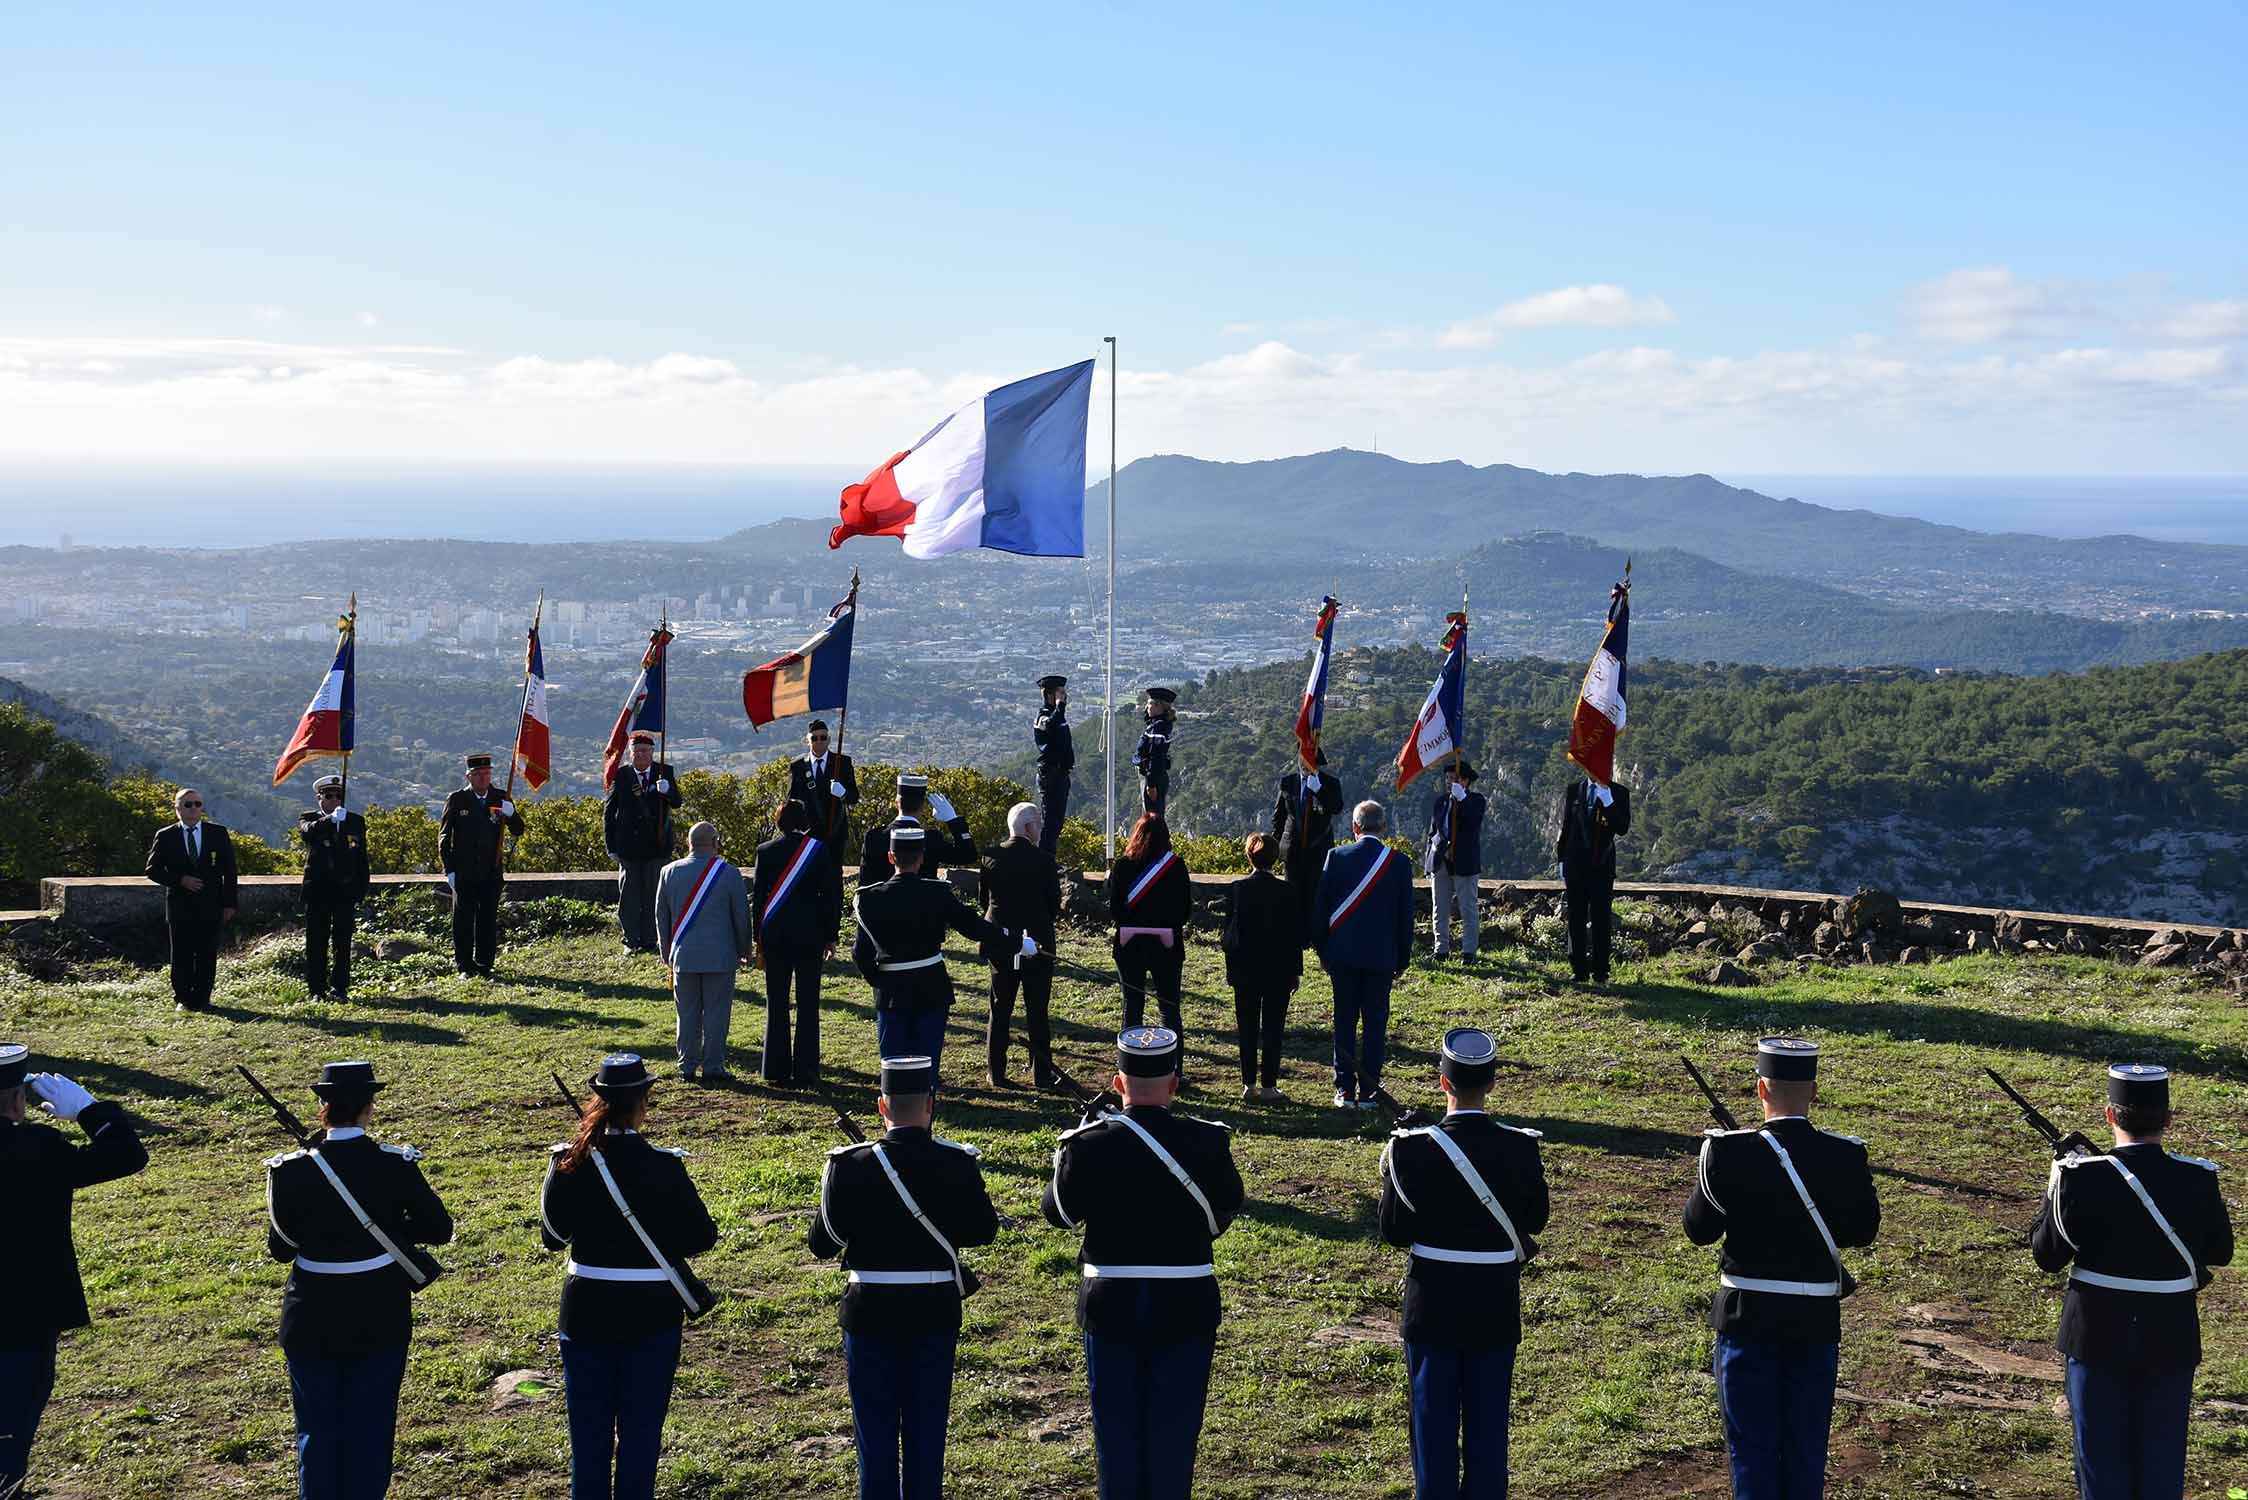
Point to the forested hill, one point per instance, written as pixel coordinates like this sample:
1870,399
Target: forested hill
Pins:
2120,790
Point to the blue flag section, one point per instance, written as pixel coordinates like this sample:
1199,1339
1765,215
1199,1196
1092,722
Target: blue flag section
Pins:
1034,463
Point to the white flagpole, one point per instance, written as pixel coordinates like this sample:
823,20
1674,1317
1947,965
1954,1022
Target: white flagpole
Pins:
1108,709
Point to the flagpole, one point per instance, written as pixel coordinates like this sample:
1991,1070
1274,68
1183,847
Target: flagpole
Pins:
1108,710
351,618
663,665
843,713
499,844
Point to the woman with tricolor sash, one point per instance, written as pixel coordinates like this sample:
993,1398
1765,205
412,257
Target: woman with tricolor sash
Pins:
1151,899
795,902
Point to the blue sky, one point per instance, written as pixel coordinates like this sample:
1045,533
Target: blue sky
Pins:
1919,239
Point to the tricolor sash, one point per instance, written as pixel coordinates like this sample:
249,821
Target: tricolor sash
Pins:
695,903
1350,902
1152,874
786,885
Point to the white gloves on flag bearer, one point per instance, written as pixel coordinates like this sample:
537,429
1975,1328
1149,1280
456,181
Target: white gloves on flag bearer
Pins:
1459,793
1311,782
58,1096
507,808
663,785
1030,946
941,805
336,817
835,789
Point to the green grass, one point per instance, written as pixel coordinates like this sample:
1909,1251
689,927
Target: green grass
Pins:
179,1389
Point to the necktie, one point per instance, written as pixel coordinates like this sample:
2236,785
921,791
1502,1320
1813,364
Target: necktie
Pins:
194,845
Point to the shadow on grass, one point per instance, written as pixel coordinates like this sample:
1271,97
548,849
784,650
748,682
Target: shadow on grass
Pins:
1681,1005
392,1029
1356,1227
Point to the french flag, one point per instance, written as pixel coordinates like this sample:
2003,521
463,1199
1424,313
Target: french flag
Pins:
1600,703
327,726
1314,707
643,706
1006,471
1441,730
534,746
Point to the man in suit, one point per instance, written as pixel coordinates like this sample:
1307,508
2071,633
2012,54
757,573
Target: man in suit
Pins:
827,784
335,882
702,925
636,829
2142,1227
468,849
795,902
1362,927
1455,859
1057,757
1464,1197
948,841
1303,821
193,860
1022,892
38,1263
1786,1198
1593,817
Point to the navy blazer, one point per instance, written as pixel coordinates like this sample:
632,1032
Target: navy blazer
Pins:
1377,932
1459,826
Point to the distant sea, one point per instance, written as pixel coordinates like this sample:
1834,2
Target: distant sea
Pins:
2167,509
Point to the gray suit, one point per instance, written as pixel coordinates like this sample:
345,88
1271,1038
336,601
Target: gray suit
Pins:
704,956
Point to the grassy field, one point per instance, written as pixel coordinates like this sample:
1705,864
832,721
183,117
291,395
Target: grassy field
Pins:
1949,1382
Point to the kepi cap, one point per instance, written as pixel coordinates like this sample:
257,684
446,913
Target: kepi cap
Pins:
346,1078
15,1061
478,762
907,837
1787,1059
1471,1057
909,1075
1163,694
621,1075
2144,1085
1053,680
1147,1052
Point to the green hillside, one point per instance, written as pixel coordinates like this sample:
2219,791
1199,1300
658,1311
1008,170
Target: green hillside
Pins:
1949,1383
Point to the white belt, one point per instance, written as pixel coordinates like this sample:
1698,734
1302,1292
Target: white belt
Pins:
1784,1288
2131,1283
1466,1257
1149,1273
344,1267
614,1273
902,1278
912,963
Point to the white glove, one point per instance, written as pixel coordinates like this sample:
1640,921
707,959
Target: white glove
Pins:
337,816
1311,782
1459,792
663,786
835,789
507,808
941,805
1030,946
452,882
58,1095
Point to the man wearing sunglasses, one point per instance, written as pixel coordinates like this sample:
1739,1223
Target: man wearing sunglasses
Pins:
193,860
827,784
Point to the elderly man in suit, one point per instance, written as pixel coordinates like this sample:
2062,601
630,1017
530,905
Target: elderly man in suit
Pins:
1362,928
193,859
702,923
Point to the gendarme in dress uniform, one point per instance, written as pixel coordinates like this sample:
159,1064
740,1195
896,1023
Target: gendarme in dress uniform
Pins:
1785,1199
900,948
1152,1190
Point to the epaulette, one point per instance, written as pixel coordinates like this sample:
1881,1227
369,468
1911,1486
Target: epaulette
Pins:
2193,1161
1535,1135
558,1148
1838,1135
411,1153
1206,1120
1081,1129
274,1161
670,1151
2079,1158
1405,1130
958,1145
850,1146
1713,1133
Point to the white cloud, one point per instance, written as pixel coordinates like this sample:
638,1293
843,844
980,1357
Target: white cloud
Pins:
1600,305
2206,320
266,312
368,320
1987,304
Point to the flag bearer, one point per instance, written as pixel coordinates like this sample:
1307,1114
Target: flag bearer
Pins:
336,878
2143,1226
899,1211
1786,1199
1152,1189
469,839
636,830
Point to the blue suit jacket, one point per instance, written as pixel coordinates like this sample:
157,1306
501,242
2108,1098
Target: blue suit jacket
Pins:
1466,817
1378,932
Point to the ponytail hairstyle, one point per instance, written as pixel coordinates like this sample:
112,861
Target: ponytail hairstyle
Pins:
599,1113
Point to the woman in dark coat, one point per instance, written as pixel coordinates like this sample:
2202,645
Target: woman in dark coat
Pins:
621,1308
1264,961
1151,898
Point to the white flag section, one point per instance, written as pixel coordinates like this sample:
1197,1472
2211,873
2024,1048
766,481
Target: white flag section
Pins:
1432,736
1604,687
943,477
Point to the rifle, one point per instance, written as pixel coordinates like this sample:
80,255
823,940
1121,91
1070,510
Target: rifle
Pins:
282,1112
1717,1109
569,1097
1091,1106
2073,1144
843,1120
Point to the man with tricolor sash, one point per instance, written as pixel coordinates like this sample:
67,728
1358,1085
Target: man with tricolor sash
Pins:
795,902
1362,927
702,925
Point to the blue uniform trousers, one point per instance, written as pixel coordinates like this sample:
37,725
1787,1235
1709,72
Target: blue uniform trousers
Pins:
911,1031
347,1422
1361,1000
1778,1404
1147,1413
27,1379
618,1394
1461,1400
901,1396
2130,1431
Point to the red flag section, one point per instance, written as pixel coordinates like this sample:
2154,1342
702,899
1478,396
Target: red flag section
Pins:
873,506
